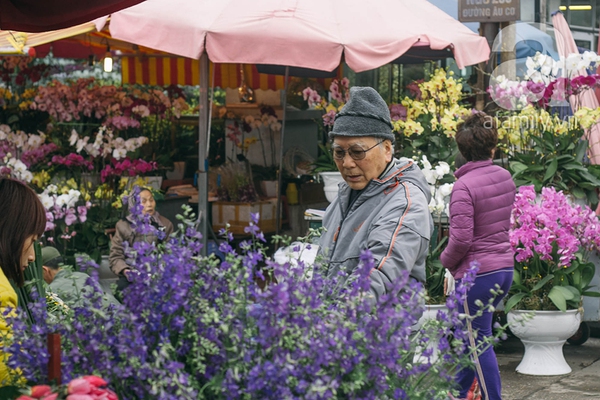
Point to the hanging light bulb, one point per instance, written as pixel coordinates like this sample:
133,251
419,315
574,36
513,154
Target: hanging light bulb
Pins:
108,61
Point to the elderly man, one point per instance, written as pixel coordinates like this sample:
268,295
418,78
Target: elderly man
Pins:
383,203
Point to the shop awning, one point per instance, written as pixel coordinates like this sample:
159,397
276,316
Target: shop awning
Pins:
164,71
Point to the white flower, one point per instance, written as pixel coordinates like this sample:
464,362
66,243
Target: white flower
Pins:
141,140
118,143
425,162
430,176
130,144
81,143
35,141
99,140
73,138
62,200
120,153
52,188
446,189
571,63
47,201
92,150
73,197
275,126
25,176
18,138
442,168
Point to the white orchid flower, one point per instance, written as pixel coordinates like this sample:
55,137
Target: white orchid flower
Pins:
425,162
81,143
62,200
92,150
446,189
47,201
73,138
34,141
571,62
120,153
442,168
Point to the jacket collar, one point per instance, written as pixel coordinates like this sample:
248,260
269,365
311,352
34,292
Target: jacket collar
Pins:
470,166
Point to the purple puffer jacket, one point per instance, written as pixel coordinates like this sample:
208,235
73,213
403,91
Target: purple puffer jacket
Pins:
480,207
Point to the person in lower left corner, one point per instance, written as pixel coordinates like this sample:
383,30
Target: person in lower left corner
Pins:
126,234
22,223
69,285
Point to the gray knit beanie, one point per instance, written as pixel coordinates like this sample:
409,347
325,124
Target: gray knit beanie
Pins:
365,114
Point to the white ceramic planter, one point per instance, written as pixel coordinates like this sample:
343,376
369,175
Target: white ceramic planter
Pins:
543,337
330,182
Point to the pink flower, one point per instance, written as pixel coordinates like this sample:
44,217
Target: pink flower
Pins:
95,380
40,391
79,386
80,396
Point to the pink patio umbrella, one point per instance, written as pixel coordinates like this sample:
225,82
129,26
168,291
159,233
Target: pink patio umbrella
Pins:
308,33
566,45
314,34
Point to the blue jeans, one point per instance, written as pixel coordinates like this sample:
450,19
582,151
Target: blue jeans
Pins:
491,388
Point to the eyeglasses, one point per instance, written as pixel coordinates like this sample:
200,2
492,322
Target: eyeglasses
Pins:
355,152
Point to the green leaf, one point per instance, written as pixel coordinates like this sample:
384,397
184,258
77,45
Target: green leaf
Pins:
558,297
516,166
513,300
581,149
551,170
589,293
573,166
573,290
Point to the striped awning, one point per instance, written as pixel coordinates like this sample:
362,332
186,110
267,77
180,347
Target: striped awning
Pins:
164,71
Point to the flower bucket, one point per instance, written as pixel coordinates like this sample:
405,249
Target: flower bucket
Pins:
331,181
238,215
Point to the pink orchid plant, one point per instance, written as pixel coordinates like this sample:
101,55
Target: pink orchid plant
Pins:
551,238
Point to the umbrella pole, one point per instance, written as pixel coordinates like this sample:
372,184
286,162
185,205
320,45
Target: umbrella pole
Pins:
203,141
280,175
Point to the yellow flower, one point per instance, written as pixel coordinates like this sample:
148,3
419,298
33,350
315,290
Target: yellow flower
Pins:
411,127
331,107
41,179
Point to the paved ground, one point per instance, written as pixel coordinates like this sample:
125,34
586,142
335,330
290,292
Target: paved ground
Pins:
582,383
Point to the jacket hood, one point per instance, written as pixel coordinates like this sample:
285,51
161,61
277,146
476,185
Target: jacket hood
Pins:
411,172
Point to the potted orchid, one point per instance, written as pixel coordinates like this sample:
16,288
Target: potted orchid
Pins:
552,238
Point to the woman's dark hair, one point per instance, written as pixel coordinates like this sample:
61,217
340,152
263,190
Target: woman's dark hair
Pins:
21,216
477,136
459,161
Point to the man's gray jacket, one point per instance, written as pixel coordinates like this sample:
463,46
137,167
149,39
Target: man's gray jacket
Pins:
390,217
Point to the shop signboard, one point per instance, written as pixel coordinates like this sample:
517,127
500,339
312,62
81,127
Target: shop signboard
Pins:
489,10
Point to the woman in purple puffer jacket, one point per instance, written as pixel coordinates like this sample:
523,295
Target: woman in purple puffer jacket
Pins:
480,207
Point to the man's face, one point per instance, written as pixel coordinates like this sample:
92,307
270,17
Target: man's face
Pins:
358,173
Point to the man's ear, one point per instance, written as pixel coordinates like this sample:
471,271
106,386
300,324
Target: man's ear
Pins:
389,150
